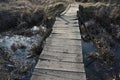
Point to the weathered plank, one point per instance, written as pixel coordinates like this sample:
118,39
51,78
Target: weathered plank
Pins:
66,36
62,66
67,25
69,20
76,34
66,28
63,75
68,17
66,31
63,42
62,57
61,49
71,49
47,77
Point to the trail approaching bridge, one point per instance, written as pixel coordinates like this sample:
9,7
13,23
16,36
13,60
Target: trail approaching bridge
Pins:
61,58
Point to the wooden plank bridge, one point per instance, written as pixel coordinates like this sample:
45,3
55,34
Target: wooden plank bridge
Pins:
61,58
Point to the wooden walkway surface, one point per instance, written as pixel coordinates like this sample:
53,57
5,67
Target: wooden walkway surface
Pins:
61,58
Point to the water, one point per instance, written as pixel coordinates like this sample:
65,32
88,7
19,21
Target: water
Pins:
17,48
98,70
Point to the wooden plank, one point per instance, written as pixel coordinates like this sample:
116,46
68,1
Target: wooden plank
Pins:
61,66
64,49
41,76
75,26
62,57
59,53
66,36
65,31
69,17
66,17
67,26
75,32
71,28
61,74
63,42
56,52
70,48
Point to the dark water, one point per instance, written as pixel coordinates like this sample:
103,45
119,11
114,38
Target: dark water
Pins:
87,47
17,48
98,70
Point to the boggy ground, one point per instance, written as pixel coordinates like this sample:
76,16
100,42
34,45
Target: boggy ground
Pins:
100,27
24,25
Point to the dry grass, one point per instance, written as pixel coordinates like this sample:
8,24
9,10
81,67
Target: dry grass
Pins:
31,6
55,9
30,11
87,5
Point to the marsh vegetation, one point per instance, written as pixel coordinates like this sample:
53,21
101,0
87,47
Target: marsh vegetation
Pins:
100,26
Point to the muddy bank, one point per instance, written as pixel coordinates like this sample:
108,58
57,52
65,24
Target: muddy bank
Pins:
100,33
25,24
